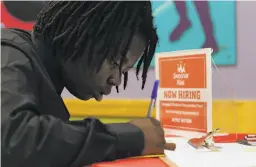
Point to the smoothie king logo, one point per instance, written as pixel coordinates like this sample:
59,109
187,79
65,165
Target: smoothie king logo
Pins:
181,75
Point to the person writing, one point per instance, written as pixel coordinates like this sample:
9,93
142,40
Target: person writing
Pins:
86,47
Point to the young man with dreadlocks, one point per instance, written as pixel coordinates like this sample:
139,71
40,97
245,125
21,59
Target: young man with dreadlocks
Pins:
86,47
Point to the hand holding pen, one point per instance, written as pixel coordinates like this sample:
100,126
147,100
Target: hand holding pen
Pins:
154,138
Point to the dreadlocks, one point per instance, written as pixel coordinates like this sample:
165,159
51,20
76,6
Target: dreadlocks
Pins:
105,28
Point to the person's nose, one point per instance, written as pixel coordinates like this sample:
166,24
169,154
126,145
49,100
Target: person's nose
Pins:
115,79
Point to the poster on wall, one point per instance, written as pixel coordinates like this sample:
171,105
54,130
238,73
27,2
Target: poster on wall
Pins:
184,102
181,25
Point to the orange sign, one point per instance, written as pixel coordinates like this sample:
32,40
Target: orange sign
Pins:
184,101
184,115
183,72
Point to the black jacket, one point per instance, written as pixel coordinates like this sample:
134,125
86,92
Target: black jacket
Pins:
36,131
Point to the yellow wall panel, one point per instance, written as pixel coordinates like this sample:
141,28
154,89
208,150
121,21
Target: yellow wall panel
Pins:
230,116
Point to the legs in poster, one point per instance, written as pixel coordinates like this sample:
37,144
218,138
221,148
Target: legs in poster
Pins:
203,11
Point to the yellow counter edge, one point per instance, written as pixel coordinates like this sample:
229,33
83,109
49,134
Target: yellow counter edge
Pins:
230,116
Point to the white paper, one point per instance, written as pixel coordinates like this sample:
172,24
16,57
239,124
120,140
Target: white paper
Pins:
231,155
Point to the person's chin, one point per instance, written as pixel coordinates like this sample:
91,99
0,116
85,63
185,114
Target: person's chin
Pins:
98,96
84,97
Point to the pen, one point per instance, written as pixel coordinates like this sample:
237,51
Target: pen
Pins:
153,99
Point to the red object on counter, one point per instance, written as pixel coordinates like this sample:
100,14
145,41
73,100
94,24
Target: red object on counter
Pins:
224,138
229,138
133,162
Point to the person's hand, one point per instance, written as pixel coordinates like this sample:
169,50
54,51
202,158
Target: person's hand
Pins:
153,135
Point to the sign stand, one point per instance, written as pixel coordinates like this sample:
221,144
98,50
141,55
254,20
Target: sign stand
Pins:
184,102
